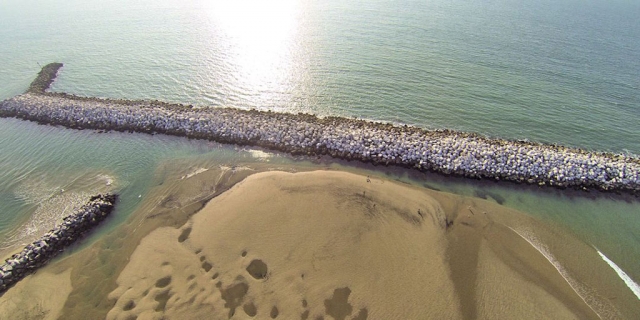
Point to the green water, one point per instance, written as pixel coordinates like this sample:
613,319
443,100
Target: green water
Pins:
554,71
60,166
559,72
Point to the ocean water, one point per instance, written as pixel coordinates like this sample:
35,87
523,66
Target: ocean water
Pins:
565,72
553,71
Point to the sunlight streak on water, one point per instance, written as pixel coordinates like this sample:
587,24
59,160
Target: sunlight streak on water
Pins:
260,39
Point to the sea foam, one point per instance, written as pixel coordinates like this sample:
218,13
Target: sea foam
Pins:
602,308
635,288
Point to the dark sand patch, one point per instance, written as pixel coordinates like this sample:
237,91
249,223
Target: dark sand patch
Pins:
338,306
184,235
162,299
257,269
250,309
163,282
206,266
234,295
274,312
129,306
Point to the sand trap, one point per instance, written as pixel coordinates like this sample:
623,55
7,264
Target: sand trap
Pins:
334,245
38,296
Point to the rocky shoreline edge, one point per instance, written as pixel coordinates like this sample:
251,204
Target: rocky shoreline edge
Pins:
41,251
443,151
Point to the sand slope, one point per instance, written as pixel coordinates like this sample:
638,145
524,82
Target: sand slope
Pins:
38,296
335,245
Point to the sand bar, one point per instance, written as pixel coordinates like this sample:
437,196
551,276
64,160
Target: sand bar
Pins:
336,245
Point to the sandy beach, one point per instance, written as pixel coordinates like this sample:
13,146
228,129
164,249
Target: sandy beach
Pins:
42,296
322,245
336,245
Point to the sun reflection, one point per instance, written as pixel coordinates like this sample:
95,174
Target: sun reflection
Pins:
260,39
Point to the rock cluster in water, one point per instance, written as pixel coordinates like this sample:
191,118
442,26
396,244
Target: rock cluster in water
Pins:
53,242
443,151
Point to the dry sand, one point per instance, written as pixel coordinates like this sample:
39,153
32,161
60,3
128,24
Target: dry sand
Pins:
333,245
39,296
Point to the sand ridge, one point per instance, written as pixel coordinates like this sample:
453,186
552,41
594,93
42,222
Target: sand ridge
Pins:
335,245
256,251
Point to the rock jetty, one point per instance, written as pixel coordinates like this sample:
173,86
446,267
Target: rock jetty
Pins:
45,78
444,151
38,253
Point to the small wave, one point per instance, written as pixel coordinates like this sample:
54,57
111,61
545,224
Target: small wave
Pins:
48,213
635,288
108,180
36,191
196,172
600,307
50,202
259,154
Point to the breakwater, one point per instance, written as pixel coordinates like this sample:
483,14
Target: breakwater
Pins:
39,252
45,78
443,151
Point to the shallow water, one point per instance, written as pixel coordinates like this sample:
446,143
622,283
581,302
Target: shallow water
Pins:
57,168
84,162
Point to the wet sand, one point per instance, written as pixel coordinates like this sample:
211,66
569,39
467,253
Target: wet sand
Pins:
334,245
322,245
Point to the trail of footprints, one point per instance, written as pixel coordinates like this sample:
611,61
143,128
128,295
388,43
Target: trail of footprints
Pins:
234,294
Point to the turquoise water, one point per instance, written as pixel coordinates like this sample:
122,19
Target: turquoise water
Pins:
44,169
552,71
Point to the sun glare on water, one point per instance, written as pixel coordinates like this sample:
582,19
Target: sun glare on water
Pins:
260,37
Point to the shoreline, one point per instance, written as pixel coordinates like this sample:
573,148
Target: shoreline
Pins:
391,219
444,151
38,253
438,241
